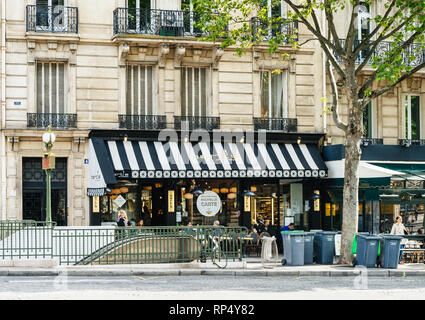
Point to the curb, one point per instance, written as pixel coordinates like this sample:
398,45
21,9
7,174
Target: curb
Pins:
63,272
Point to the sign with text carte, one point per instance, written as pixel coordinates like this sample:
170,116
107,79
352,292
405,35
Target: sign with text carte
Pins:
208,203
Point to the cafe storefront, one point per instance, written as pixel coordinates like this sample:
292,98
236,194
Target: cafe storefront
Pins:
391,184
160,182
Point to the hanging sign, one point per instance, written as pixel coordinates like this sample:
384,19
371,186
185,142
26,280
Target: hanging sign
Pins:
96,206
246,203
119,201
208,203
170,200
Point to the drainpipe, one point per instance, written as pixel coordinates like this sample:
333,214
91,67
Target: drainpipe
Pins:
324,78
3,110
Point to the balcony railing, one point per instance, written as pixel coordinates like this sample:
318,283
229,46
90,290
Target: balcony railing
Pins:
369,141
195,122
413,56
42,18
267,31
141,122
276,124
411,142
55,120
156,22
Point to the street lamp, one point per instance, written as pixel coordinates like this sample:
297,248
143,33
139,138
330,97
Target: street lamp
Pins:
48,165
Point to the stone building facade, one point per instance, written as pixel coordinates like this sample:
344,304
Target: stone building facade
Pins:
82,71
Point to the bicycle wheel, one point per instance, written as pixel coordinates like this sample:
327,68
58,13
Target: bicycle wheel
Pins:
219,258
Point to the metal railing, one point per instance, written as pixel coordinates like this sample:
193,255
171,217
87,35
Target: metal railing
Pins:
264,31
413,56
196,122
25,239
141,122
156,22
276,124
368,141
411,142
55,120
119,245
42,18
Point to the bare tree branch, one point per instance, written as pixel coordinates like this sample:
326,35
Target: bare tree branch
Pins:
335,114
325,43
351,29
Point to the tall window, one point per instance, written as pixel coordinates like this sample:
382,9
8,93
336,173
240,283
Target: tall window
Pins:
274,94
193,91
412,116
140,90
51,13
368,121
51,87
139,15
275,9
362,26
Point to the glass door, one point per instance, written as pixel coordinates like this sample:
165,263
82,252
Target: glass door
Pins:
51,15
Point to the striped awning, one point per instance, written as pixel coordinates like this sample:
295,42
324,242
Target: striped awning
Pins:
112,160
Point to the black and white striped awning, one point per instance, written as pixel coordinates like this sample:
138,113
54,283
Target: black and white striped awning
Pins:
158,160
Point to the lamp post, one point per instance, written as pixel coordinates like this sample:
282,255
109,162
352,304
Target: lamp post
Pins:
48,165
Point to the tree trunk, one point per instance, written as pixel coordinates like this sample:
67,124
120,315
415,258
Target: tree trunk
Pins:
353,136
350,197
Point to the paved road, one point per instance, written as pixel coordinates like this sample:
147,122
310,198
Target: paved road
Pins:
210,287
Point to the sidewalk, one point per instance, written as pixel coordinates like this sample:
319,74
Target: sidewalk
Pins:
248,267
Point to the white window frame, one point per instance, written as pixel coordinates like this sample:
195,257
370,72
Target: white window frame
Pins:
283,13
130,68
408,130
285,78
41,109
373,119
50,13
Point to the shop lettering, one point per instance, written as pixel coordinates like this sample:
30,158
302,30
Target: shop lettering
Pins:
180,310
208,204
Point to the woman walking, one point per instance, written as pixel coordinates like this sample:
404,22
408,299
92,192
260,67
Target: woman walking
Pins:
399,229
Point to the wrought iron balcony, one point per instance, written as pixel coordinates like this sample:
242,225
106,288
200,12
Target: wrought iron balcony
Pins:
267,31
276,124
369,141
59,19
156,22
55,120
195,122
141,122
413,56
411,142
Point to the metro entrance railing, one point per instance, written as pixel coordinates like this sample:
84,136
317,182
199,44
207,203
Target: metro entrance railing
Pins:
118,245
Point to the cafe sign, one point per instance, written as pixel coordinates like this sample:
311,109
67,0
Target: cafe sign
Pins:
208,203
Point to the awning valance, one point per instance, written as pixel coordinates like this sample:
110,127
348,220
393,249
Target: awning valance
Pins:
162,160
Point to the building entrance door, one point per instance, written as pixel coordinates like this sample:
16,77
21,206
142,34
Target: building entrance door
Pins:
34,191
33,206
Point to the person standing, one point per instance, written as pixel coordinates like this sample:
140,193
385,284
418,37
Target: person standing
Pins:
122,220
399,229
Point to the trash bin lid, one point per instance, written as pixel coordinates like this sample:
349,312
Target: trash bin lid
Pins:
391,237
369,236
294,231
327,232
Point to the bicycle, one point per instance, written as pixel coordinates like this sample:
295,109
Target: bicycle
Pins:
218,256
